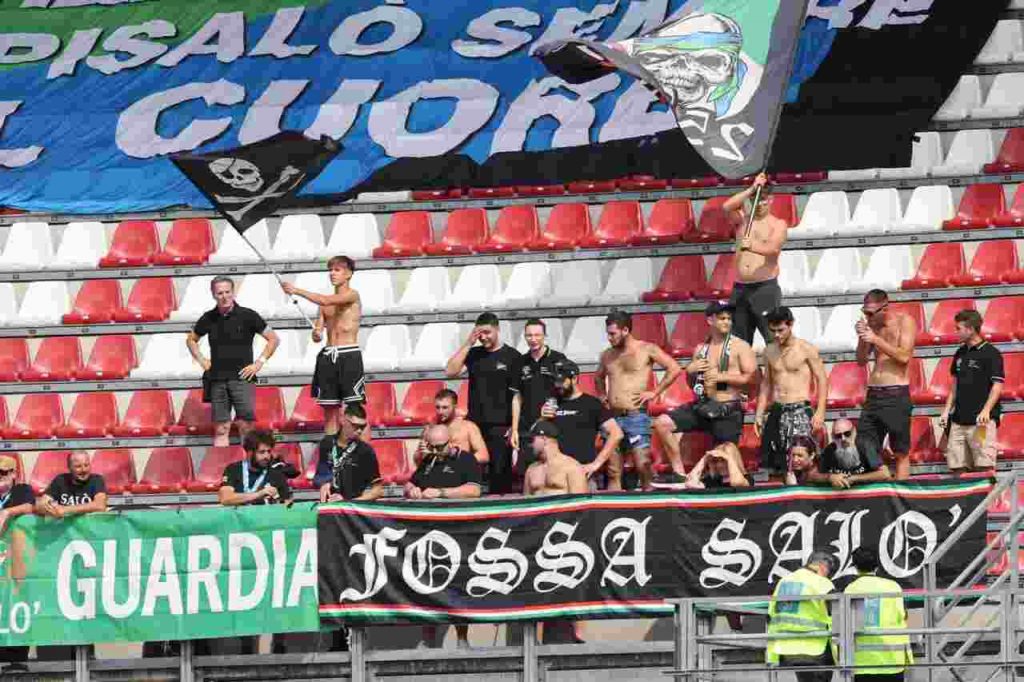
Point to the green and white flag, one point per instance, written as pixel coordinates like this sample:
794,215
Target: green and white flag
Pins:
721,65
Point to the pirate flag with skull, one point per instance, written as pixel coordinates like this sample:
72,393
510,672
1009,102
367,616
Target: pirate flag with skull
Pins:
248,183
722,66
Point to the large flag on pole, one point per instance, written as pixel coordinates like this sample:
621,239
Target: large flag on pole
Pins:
248,183
721,65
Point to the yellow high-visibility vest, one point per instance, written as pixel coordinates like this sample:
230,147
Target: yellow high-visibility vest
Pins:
799,616
892,652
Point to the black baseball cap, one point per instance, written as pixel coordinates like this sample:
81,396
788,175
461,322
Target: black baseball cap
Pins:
543,427
716,307
565,369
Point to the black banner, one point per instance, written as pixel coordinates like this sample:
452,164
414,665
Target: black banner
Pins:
616,555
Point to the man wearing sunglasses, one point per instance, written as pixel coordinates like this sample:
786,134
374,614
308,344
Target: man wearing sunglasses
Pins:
16,499
888,336
843,465
348,467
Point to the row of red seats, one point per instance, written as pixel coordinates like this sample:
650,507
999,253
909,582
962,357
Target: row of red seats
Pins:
136,243
151,299
517,228
59,358
984,205
944,264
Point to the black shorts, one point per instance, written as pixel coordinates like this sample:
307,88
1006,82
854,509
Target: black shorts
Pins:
782,424
725,429
886,412
338,377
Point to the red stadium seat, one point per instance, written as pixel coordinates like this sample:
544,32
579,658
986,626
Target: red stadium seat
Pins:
978,206
714,225
307,415
690,330
196,418
784,206
407,234
1010,158
671,220
991,263
95,302
117,467
567,225
269,407
940,262
915,376
437,194
168,470
394,465
135,243
49,464
112,357
149,413
915,309
587,383
540,190
847,383
380,402
190,242
641,183
651,327
292,454
4,419
418,404
723,276
591,186
678,394
210,474
466,230
514,230
938,386
1003,318
693,183
941,329
681,279
1011,436
463,393
750,449
620,221
152,299
799,177
1014,215
923,448
13,359
1013,368
490,193
58,358
94,415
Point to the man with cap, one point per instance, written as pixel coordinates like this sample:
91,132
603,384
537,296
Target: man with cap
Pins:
720,369
885,658
580,417
16,499
807,615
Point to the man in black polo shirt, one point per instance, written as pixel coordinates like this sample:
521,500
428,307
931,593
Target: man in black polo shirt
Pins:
972,409
494,378
228,371
579,418
537,382
348,468
79,491
254,480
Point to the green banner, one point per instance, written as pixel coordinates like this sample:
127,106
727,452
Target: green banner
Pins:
159,575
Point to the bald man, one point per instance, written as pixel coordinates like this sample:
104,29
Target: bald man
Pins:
843,464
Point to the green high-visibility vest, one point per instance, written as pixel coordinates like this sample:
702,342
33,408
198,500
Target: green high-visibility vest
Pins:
891,652
799,616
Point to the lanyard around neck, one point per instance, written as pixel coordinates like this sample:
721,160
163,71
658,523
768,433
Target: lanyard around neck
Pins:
257,484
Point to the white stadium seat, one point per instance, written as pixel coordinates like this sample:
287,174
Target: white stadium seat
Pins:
528,286
263,293
424,291
586,340
300,237
837,272
319,283
928,207
969,151
965,98
309,350
574,283
288,356
825,214
925,154
166,357
839,333
1006,44
876,212
887,267
437,342
44,303
478,287
806,323
555,335
29,247
376,291
8,305
354,235
1005,98
196,300
794,272
233,249
81,246
386,346
629,279
853,175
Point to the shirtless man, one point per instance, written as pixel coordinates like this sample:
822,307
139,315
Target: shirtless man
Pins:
627,366
721,367
756,291
793,367
887,407
338,377
464,434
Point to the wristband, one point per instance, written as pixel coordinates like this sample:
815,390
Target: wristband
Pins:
443,494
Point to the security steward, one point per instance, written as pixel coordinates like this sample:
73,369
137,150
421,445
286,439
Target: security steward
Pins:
809,615
885,658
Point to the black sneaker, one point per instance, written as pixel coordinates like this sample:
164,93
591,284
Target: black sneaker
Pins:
669,481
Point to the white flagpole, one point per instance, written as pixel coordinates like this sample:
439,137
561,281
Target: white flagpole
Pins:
270,267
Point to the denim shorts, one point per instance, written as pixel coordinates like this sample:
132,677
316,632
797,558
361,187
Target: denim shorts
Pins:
636,427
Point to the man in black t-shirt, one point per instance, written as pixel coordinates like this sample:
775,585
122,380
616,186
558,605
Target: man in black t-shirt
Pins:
16,499
579,418
254,480
842,463
495,375
228,371
77,492
348,468
972,409
537,382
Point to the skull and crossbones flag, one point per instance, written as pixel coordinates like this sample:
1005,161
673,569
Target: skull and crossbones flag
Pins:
722,66
248,183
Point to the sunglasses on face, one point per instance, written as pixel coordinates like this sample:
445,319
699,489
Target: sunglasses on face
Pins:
842,434
6,472
869,313
358,426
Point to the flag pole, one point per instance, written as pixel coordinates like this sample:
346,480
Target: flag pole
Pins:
274,272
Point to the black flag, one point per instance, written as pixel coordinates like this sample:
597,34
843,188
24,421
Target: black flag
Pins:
248,183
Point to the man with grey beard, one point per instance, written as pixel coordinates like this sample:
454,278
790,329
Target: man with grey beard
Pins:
842,465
